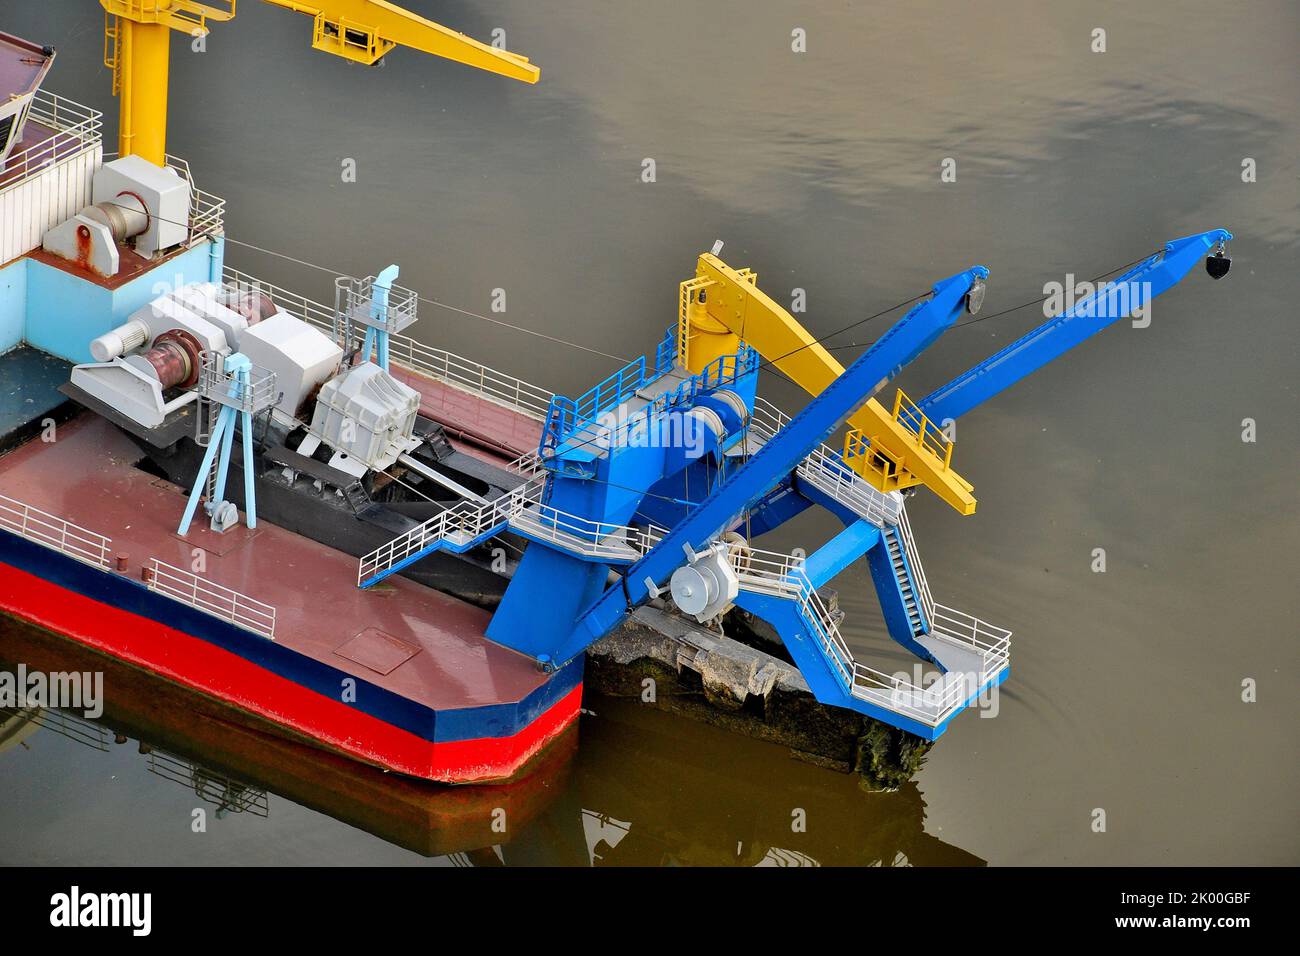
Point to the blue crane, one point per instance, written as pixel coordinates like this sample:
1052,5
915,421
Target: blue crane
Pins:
1107,305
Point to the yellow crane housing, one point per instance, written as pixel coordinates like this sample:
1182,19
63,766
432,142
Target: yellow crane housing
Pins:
137,35
891,448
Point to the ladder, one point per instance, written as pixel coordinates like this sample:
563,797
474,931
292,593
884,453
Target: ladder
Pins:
902,574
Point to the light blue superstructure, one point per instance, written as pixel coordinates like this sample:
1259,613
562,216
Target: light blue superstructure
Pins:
59,312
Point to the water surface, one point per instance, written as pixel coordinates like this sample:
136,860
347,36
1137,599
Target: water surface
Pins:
821,171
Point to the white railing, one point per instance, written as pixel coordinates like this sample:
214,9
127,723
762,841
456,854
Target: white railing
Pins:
948,624
215,599
463,523
76,129
992,643
521,510
437,364
529,464
592,539
207,215
309,310
54,532
782,575
825,469
355,304
913,559
468,375
207,212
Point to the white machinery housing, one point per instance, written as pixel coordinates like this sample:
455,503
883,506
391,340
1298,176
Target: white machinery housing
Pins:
708,584
157,350
131,199
300,356
368,417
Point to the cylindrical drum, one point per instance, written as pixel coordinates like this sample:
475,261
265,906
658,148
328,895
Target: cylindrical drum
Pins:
175,358
125,216
125,338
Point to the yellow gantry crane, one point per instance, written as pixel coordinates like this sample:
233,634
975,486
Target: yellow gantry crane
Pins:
137,36
891,448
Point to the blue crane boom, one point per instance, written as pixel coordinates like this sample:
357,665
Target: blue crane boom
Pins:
778,457
1085,319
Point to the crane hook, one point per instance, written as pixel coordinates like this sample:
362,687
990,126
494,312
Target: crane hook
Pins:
1218,264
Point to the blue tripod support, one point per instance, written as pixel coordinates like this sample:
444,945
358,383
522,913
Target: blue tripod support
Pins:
238,397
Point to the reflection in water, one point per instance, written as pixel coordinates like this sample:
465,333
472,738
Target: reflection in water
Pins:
656,790
644,789
225,793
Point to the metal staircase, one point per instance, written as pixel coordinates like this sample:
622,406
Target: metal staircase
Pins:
469,524
456,529
776,587
902,575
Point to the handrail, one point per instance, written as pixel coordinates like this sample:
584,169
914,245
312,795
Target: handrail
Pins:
439,364
958,627
825,468
566,416
207,212
529,464
723,370
54,532
522,510
782,575
914,562
467,518
666,352
76,129
594,539
434,363
928,435
211,598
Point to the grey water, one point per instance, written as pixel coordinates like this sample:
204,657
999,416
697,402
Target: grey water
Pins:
822,171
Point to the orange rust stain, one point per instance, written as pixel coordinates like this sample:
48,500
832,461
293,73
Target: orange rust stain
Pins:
83,247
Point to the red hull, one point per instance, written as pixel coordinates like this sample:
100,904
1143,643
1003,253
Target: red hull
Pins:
201,666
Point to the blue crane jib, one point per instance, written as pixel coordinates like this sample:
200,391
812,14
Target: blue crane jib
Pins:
657,482
1113,301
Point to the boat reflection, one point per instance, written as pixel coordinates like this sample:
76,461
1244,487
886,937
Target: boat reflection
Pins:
645,788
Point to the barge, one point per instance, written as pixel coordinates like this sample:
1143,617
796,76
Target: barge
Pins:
404,556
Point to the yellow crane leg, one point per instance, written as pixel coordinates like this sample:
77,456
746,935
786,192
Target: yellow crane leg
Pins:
721,306
142,68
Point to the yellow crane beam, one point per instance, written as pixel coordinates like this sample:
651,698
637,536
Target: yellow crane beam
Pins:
137,36
892,449
365,30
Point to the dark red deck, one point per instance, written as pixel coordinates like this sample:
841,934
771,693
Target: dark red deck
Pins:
23,65
472,419
86,477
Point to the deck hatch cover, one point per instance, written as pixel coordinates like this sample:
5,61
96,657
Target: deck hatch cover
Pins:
377,650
